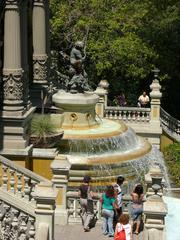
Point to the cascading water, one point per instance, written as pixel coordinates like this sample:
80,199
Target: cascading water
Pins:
102,148
124,142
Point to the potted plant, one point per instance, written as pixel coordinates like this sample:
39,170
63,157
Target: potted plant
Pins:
43,132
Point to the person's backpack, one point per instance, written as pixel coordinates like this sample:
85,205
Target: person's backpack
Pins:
121,235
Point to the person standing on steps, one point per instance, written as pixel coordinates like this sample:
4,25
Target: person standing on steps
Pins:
137,206
118,195
85,193
108,205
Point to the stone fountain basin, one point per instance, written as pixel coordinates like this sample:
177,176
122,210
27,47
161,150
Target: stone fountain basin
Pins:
112,158
104,128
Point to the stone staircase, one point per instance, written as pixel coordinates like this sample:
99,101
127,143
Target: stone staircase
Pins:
27,203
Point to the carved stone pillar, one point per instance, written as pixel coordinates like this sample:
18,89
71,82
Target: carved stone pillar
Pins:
12,70
40,57
15,115
25,52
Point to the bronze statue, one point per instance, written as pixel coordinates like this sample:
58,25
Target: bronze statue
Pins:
78,76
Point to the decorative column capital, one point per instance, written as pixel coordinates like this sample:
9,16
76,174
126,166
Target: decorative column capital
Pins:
12,4
40,67
39,2
13,85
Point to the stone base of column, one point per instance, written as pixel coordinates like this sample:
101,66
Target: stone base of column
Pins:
13,129
61,216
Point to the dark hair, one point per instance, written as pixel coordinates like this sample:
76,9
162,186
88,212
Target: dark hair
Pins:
87,179
138,189
110,191
124,219
120,179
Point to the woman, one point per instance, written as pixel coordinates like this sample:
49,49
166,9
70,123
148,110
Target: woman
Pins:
137,207
108,206
86,194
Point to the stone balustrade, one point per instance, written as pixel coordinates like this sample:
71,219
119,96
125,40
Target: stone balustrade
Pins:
128,114
170,125
18,180
15,222
74,207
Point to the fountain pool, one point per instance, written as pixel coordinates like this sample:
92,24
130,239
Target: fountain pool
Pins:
173,218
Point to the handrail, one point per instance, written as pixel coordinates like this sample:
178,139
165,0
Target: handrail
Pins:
25,207
17,218
170,124
18,180
128,114
22,170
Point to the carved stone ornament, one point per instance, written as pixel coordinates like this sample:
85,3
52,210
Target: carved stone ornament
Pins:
12,2
39,2
40,68
13,85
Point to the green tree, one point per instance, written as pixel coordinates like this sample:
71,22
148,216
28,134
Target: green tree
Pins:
126,39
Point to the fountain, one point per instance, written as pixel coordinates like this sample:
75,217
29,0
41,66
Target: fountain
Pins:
101,148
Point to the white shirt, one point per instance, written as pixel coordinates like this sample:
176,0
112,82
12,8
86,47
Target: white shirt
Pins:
143,99
119,195
126,227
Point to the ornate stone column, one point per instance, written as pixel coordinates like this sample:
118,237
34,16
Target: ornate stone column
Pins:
15,115
24,51
102,92
40,57
155,95
12,70
155,98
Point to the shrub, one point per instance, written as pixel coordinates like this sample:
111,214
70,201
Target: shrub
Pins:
41,126
172,158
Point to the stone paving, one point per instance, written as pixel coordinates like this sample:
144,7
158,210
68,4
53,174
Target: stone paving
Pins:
76,232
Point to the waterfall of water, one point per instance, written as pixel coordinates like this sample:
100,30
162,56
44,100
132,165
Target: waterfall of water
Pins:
127,141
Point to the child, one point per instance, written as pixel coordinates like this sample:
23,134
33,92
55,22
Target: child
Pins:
123,228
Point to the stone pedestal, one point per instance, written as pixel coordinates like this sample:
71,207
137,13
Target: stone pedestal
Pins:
45,196
154,171
60,168
78,109
155,211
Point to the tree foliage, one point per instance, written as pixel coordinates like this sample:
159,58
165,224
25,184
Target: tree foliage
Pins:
126,40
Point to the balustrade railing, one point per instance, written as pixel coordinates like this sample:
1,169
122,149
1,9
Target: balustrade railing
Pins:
18,180
170,125
74,207
15,222
128,114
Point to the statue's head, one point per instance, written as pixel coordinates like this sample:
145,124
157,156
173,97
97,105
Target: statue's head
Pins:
79,44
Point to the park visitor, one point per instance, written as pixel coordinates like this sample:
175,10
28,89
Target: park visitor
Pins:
108,205
118,196
137,206
86,195
143,100
123,228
